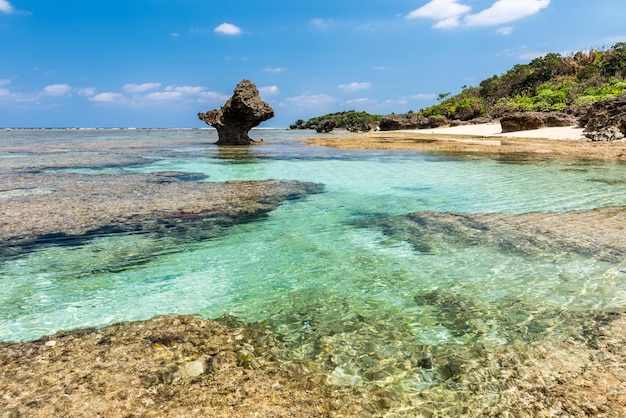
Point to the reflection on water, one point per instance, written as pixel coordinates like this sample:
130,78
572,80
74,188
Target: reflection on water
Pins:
368,305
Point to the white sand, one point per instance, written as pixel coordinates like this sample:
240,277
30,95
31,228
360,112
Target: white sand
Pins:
495,130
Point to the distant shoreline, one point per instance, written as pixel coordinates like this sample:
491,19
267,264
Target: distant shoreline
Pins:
482,139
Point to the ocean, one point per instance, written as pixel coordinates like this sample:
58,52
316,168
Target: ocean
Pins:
344,269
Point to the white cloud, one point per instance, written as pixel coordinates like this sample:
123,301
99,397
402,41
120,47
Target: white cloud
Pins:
424,96
447,13
274,70
269,90
311,100
185,89
57,89
142,95
355,86
163,95
504,11
175,35
360,101
227,29
138,88
212,96
87,91
108,97
4,81
452,13
5,7
507,30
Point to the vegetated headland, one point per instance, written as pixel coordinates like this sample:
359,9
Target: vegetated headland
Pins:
551,83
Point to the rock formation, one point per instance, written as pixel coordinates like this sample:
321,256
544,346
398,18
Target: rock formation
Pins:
605,120
242,112
523,121
410,121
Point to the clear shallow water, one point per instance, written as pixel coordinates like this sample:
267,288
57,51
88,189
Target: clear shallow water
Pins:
313,274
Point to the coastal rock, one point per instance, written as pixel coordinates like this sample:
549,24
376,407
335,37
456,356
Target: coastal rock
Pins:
605,120
326,126
79,207
523,121
242,112
410,121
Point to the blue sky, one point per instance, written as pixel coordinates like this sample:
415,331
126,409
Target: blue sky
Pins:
157,63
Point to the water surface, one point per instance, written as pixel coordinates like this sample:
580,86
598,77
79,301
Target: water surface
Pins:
311,270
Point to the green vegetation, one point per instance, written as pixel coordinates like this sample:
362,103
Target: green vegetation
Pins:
552,83
351,120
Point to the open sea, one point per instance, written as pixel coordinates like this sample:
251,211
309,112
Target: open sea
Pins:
315,270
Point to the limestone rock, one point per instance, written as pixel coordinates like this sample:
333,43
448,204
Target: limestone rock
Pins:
523,121
242,112
605,120
192,368
326,126
410,121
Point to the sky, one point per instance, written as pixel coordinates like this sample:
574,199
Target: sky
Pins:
157,63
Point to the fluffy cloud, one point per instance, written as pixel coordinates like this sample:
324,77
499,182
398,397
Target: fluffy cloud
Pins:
5,7
452,13
355,86
138,88
57,89
504,11
447,13
311,101
142,95
4,81
108,97
227,29
269,90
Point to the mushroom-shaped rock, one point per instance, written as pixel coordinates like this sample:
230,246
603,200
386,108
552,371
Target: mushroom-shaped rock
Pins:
242,112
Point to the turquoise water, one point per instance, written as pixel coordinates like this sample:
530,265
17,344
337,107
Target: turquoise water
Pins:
312,273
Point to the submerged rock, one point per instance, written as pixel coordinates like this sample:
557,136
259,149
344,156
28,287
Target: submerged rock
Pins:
598,233
242,112
82,206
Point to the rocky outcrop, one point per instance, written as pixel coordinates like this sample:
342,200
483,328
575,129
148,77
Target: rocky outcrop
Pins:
326,126
411,121
605,120
597,233
80,207
242,112
523,121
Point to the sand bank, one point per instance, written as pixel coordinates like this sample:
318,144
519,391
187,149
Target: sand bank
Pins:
484,139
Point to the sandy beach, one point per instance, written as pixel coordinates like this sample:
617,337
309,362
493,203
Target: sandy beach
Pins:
484,139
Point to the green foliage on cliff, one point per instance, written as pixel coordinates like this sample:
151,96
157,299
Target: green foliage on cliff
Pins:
549,83
552,83
351,120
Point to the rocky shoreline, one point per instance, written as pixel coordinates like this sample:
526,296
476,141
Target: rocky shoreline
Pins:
185,366
81,206
188,366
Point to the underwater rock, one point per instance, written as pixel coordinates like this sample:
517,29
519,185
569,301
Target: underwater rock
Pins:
192,368
598,233
83,206
242,112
